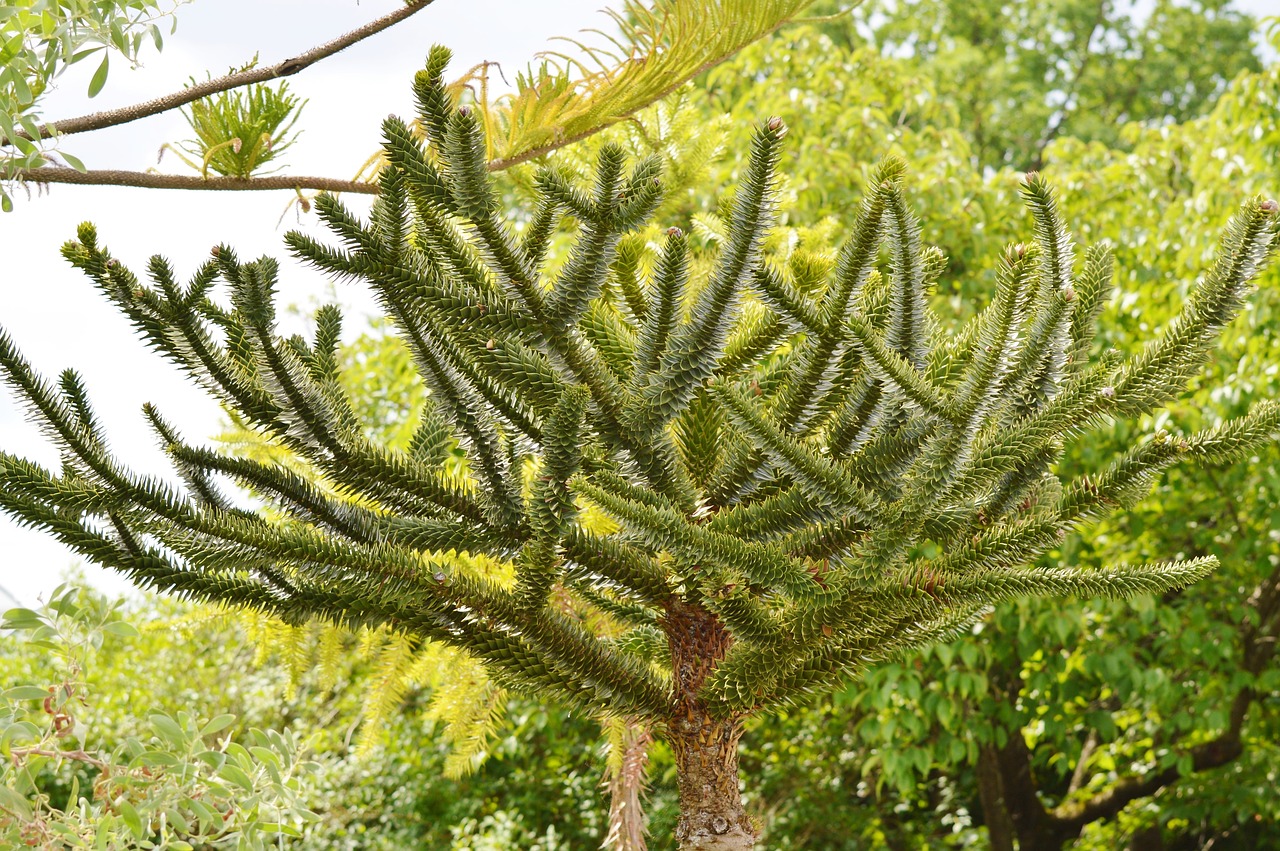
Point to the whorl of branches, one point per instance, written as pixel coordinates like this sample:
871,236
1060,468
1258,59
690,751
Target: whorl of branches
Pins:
833,484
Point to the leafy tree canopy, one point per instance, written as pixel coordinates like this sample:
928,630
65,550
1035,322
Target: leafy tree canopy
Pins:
1022,74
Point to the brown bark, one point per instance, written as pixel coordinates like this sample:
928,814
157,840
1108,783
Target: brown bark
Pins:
151,180
1032,825
991,794
626,785
1011,806
1147,839
712,817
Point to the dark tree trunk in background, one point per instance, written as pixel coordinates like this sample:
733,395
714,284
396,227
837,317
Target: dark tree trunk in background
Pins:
994,810
1148,839
1015,817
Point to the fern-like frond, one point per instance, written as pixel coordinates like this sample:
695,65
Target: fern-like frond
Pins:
658,47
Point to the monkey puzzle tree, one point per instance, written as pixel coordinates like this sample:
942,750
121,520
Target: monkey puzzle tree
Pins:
699,497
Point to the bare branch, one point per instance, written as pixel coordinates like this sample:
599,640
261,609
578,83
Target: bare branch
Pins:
77,756
287,68
153,180
1079,776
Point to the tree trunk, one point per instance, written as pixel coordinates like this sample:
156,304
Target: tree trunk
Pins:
711,811
995,812
712,817
1012,810
1147,839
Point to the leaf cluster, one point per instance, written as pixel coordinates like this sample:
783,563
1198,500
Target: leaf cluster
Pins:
41,39
181,783
239,131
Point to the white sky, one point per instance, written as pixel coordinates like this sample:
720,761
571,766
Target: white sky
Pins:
57,317
60,321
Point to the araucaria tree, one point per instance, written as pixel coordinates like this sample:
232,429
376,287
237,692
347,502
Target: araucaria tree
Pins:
708,496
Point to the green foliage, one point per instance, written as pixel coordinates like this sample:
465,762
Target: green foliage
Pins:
1190,176
241,130
539,778
41,39
855,478
540,782
657,48
69,781
958,461
1021,75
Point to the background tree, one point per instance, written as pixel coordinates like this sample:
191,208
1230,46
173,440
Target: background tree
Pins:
578,102
766,570
971,218
1022,74
178,780
540,790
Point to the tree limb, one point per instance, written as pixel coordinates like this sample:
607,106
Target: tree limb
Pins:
1010,799
1069,819
77,756
149,180
1055,126
1078,776
995,811
153,180
287,68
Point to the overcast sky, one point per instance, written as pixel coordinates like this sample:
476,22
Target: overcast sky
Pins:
60,321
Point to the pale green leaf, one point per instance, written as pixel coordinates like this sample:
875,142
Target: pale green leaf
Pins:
100,76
